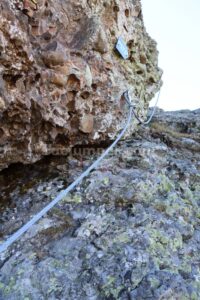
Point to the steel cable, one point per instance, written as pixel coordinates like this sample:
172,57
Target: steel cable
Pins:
64,192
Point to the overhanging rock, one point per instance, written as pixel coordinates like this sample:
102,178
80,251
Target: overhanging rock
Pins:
61,82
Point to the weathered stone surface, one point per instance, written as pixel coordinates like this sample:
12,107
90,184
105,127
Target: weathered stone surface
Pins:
131,230
58,66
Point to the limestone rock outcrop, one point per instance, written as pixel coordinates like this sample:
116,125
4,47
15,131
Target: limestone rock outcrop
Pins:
61,82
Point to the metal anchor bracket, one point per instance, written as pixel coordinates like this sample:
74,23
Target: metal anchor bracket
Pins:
122,48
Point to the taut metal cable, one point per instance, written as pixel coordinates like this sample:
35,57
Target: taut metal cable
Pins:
63,193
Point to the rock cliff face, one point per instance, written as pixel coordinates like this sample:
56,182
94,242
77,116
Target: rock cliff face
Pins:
131,230
61,82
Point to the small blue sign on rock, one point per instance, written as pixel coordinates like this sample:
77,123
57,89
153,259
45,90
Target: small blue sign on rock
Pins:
122,48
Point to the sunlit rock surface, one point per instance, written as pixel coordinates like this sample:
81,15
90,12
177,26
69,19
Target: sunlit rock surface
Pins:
131,230
61,82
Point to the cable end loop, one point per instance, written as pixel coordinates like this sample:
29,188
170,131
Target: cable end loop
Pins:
128,98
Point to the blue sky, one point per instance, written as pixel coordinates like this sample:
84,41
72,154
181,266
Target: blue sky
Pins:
175,25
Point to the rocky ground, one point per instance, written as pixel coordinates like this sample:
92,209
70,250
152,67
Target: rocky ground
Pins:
131,230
